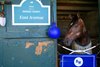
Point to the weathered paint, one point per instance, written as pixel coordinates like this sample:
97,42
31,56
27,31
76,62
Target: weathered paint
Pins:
29,44
16,55
39,48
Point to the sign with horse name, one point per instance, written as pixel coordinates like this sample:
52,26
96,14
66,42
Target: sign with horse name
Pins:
30,12
78,61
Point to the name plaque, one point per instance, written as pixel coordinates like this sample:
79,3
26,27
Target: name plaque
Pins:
30,12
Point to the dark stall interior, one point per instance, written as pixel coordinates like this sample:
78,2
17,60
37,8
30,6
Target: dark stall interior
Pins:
88,10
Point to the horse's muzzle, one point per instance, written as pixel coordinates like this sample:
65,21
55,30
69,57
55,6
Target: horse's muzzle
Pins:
68,42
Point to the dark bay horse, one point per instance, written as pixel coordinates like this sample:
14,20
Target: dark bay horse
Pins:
77,35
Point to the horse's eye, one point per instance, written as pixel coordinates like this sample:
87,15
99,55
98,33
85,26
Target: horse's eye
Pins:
76,25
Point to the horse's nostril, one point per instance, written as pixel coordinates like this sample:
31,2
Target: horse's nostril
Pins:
64,42
67,42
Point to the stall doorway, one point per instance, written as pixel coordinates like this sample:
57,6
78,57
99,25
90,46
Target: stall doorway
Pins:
88,10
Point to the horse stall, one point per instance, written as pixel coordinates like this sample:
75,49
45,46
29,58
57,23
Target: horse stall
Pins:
89,12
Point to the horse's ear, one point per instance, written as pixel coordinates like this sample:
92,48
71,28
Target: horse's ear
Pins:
70,16
78,15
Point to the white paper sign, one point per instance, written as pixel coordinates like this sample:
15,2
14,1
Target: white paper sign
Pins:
2,21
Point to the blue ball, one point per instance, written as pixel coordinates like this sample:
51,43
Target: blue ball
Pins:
54,32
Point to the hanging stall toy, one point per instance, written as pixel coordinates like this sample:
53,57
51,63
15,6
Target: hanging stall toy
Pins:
53,31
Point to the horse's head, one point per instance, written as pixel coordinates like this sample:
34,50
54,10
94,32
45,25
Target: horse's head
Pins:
76,29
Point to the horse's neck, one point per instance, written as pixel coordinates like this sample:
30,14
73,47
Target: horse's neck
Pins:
83,40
